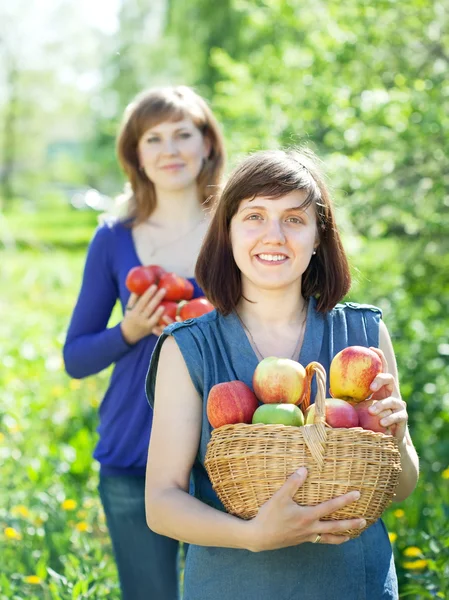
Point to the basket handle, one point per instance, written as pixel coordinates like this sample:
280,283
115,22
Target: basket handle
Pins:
315,435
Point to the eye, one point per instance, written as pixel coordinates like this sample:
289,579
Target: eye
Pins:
254,217
185,135
295,220
152,139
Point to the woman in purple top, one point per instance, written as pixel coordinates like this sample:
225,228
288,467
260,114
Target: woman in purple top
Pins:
171,149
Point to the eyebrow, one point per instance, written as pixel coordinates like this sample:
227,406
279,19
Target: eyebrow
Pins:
300,207
177,130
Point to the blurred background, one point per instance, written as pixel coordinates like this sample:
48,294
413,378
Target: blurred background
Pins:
363,84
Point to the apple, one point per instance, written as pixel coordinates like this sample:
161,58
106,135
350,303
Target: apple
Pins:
352,371
176,287
139,279
338,413
229,403
369,421
170,310
279,414
195,308
279,380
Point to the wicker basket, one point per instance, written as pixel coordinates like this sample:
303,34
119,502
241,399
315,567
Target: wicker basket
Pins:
247,464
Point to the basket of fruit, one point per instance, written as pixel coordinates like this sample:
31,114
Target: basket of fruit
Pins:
249,460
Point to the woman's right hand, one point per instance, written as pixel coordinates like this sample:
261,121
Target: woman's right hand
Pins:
281,522
142,314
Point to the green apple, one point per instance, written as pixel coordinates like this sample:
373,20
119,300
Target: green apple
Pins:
279,414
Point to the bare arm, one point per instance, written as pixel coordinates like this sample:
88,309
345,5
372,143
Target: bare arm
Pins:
171,511
393,410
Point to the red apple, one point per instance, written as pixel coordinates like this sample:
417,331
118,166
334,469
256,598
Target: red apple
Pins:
229,403
369,421
170,310
195,308
352,371
139,279
338,413
279,380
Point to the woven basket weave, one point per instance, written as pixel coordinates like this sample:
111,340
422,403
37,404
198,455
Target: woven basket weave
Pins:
247,464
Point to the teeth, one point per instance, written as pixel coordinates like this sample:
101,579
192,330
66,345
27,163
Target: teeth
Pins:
272,257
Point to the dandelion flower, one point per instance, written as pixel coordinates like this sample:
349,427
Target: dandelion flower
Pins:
445,474
82,526
69,504
413,551
33,579
393,537
399,513
415,565
12,534
20,510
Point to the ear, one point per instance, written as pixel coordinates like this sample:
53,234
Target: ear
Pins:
207,146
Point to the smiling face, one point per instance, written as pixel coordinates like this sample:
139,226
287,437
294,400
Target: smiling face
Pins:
171,153
273,241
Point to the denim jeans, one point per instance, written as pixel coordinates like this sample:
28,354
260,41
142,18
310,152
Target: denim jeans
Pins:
146,561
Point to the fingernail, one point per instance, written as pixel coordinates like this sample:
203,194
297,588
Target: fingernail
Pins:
301,471
356,495
362,523
374,386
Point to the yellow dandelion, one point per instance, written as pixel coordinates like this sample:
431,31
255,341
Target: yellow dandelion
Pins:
33,579
12,534
69,504
444,474
2,437
413,551
82,526
415,565
75,384
20,511
399,513
393,537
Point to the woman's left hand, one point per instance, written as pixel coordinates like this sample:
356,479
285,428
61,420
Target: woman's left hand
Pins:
390,408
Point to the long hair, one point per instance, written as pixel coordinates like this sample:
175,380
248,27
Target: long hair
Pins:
274,174
151,108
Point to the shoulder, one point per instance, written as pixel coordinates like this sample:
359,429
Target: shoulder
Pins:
199,325
356,309
108,233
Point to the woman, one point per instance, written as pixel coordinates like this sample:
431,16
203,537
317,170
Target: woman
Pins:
171,150
273,265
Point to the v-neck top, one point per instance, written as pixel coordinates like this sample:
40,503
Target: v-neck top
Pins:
216,349
91,346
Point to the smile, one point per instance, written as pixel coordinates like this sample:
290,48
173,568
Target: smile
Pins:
272,258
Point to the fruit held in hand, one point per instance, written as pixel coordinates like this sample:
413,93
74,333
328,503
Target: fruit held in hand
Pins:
369,421
195,308
352,371
170,310
338,413
177,288
229,403
279,414
139,279
279,380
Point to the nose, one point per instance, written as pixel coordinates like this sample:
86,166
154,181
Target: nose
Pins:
169,146
273,234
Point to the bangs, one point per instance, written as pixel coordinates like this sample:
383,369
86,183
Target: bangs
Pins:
174,108
265,175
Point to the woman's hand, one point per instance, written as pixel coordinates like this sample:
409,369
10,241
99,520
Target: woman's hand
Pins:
142,315
390,408
281,522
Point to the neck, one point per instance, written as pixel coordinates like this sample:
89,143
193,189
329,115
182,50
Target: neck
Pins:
183,204
274,309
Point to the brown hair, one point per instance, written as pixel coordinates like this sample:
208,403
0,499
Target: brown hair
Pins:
150,108
274,174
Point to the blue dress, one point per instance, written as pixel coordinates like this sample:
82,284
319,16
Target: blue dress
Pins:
216,349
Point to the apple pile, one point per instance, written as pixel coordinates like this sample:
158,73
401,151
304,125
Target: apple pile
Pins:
179,291
282,389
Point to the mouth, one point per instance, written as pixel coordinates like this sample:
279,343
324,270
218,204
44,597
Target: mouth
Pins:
174,167
271,259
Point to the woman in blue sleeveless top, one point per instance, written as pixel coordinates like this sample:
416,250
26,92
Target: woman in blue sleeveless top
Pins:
273,265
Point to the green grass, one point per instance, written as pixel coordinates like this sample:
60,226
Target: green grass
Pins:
48,422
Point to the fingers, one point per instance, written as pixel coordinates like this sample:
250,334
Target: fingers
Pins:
328,538
131,301
293,483
330,506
